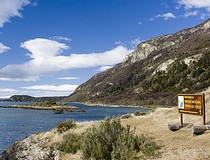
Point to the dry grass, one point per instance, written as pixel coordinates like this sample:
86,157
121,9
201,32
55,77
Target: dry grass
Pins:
179,145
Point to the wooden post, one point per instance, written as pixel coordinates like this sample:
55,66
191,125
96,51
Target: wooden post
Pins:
181,119
204,110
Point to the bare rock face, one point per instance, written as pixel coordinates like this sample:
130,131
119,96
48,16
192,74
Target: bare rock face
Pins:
155,72
146,48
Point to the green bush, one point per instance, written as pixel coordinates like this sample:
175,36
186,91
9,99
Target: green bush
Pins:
113,141
138,113
64,126
146,145
126,116
98,142
125,147
71,143
109,141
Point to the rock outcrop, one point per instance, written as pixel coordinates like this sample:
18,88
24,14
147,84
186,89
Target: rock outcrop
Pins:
31,148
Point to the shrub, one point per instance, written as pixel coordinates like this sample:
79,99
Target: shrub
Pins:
71,143
64,126
138,113
124,148
110,140
126,116
98,142
146,145
113,141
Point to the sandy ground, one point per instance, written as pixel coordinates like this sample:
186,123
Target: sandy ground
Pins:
178,145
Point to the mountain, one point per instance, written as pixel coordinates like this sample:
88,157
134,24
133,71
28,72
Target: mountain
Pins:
26,98
155,72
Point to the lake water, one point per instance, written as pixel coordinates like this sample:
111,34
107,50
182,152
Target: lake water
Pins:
17,124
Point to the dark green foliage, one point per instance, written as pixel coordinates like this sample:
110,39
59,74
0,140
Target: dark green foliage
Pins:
146,145
138,113
71,143
126,146
181,77
64,126
98,142
45,104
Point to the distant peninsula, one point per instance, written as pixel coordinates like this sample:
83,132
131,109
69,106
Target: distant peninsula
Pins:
26,98
47,105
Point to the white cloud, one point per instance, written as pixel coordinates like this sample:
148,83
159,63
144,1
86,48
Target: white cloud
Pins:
46,59
11,8
68,78
166,16
103,68
3,48
188,14
203,16
135,42
43,48
7,90
60,38
195,3
64,87
152,19
130,44
120,43
192,7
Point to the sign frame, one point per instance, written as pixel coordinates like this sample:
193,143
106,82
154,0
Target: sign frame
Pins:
193,104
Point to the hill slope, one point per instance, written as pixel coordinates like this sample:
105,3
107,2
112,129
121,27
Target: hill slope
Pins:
153,74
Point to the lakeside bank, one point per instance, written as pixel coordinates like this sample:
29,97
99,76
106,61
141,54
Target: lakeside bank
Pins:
180,145
16,124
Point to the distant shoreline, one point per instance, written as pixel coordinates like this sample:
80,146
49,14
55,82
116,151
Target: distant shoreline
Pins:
150,107
36,107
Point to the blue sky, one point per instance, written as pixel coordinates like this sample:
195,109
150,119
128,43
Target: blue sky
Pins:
49,47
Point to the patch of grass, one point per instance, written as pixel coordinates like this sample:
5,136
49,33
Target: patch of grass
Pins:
138,113
64,126
126,116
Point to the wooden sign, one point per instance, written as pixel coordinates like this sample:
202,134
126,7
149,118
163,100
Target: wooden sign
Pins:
191,104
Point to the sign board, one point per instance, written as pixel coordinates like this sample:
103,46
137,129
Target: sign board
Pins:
191,104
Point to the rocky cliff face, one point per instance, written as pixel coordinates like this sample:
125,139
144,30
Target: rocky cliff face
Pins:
155,72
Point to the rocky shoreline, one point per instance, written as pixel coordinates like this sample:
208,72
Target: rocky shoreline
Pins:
42,146
31,149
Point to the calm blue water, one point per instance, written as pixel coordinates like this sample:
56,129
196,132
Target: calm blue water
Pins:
16,124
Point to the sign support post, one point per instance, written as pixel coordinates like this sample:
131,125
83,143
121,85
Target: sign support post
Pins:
181,119
204,110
